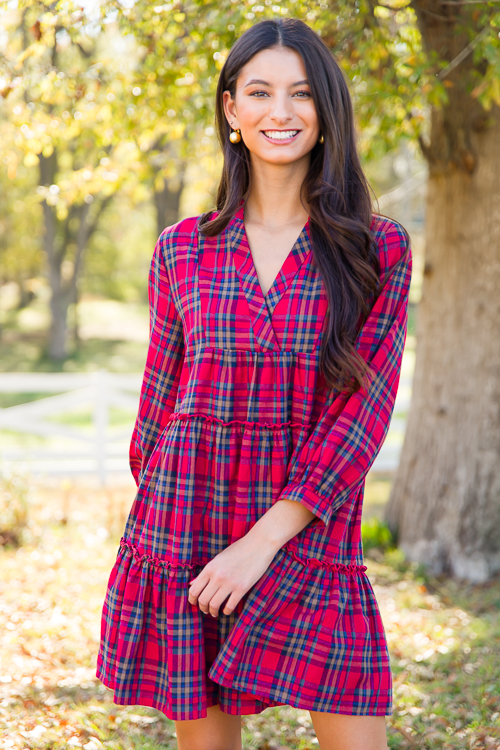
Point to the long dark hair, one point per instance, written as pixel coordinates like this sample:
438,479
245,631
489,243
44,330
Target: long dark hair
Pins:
335,187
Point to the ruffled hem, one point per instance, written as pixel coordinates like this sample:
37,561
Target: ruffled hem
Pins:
177,416
308,634
245,704
147,559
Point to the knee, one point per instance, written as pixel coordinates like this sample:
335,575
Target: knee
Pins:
217,731
207,743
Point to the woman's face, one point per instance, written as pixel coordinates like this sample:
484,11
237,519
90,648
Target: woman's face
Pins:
273,107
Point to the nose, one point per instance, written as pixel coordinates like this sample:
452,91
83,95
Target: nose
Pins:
281,111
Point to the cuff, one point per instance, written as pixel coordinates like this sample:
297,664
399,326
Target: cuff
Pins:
318,505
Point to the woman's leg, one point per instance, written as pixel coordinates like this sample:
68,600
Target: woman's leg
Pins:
340,732
217,731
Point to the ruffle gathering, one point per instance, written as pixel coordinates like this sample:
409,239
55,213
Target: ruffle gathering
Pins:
272,389
147,559
299,637
254,424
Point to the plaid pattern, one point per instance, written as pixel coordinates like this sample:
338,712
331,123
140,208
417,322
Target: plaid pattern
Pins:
233,416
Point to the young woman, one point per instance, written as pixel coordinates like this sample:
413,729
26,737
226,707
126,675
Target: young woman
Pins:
278,323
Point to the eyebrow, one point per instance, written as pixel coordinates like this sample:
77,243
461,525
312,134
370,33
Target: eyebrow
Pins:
266,83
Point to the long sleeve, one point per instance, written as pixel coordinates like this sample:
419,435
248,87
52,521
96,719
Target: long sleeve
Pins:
164,361
349,434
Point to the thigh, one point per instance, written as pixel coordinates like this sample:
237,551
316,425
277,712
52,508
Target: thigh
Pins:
341,732
217,731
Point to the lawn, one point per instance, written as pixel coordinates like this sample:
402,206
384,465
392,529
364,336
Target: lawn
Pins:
444,640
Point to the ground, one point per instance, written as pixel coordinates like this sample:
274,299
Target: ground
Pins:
444,640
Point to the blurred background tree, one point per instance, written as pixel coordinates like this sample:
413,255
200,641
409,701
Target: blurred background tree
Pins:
110,105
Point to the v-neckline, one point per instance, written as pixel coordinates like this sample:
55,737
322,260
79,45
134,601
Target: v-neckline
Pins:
262,306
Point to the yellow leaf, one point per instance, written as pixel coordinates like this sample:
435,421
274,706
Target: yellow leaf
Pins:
22,57
30,159
495,90
62,212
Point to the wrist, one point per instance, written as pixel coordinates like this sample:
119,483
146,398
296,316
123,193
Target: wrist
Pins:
281,522
264,538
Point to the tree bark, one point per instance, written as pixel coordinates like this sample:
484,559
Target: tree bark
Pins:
58,235
444,506
167,202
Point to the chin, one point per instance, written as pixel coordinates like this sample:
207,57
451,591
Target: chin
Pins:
282,158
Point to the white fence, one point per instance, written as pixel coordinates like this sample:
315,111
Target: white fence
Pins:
94,447
85,440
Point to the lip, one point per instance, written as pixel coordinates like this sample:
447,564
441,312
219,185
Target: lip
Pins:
284,140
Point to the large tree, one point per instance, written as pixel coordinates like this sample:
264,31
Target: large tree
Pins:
58,119
429,70
445,500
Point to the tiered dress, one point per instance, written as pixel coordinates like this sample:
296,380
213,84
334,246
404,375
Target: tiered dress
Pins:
233,416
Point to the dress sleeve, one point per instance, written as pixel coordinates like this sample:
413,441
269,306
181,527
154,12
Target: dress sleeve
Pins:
164,361
349,434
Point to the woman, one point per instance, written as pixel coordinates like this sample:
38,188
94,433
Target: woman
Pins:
278,324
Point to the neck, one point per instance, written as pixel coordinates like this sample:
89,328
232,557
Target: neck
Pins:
273,200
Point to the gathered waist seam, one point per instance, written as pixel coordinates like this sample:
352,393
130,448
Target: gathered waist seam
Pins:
144,557
270,426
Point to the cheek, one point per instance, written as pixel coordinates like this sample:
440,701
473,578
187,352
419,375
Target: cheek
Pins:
311,117
250,117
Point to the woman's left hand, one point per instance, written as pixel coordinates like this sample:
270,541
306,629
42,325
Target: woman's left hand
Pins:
231,573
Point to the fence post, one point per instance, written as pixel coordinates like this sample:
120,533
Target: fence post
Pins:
101,421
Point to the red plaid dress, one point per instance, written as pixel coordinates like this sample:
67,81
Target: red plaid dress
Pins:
233,416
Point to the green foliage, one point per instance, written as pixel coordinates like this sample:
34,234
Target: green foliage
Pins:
376,534
21,258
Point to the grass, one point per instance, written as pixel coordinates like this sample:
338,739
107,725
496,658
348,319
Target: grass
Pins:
444,640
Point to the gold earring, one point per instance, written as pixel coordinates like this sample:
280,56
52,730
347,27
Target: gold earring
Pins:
235,136
321,138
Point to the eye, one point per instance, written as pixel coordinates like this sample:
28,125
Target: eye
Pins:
258,92
303,92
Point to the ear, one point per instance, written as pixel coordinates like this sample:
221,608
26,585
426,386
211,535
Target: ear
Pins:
230,109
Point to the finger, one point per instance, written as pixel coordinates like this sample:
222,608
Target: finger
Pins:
231,603
217,599
196,589
206,595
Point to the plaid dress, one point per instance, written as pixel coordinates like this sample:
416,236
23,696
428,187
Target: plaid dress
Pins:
233,416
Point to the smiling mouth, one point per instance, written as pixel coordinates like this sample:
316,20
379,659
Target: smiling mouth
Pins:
280,135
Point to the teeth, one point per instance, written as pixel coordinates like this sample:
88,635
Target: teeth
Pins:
280,135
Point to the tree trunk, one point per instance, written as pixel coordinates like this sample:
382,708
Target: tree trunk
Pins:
445,501
167,202
58,235
58,333
59,299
